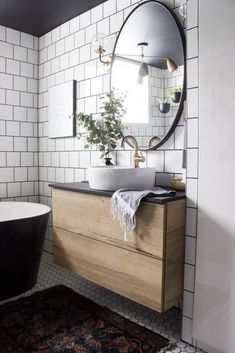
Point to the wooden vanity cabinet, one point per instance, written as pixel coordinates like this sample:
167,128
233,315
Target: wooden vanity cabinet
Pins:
148,268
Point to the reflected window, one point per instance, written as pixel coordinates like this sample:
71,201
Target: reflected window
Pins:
125,74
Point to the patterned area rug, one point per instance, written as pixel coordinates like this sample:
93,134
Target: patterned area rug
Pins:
58,320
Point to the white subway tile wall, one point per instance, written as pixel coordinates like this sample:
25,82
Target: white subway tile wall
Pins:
29,160
18,115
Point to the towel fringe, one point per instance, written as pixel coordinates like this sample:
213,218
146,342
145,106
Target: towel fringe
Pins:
125,202
163,350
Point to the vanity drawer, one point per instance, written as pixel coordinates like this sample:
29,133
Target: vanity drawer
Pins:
90,215
131,274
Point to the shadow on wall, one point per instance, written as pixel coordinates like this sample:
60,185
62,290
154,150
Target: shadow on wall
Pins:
215,297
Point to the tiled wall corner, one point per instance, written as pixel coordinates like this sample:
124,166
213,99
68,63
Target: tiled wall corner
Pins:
192,167
18,116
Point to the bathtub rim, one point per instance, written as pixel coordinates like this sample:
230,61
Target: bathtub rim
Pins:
33,209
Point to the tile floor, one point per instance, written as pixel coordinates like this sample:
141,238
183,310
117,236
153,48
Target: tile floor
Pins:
167,324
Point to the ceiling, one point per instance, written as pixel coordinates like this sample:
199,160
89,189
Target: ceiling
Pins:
38,17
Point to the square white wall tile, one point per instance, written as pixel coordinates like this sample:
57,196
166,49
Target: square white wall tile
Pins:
104,27
192,43
27,188
27,40
191,222
122,4
85,19
109,7
116,22
3,190
6,50
188,304
13,189
12,67
74,159
155,159
69,175
6,80
20,144
173,161
26,70
74,25
192,163
13,159
2,33
64,30
192,76
3,159
20,53
187,329
96,13
192,13
6,112
55,35
2,65
6,143
6,175
21,174
189,277
12,36
192,138
13,128
13,98
20,83
179,137
59,175
192,100
60,47
191,192
190,250
85,159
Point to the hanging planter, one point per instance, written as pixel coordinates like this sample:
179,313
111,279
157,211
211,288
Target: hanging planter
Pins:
175,94
176,97
164,106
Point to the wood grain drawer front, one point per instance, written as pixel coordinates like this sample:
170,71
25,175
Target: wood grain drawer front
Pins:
133,275
90,215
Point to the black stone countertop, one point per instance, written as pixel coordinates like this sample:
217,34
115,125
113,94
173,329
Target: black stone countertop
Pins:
84,187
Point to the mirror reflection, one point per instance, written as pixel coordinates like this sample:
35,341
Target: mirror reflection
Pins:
148,66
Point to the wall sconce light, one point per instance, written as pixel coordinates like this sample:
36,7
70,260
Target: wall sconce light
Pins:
171,65
99,43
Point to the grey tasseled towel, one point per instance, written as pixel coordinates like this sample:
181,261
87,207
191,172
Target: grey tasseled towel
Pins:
125,202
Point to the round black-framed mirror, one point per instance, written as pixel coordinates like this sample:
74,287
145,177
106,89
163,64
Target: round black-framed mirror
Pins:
149,67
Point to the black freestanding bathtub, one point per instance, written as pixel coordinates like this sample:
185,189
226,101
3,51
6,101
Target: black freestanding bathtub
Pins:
22,232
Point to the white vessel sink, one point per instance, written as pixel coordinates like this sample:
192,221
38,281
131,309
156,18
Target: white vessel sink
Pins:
114,178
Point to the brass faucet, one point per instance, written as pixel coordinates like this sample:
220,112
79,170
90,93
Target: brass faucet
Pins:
137,157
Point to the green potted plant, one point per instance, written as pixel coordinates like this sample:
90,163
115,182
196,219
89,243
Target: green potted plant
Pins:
106,131
175,93
164,105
